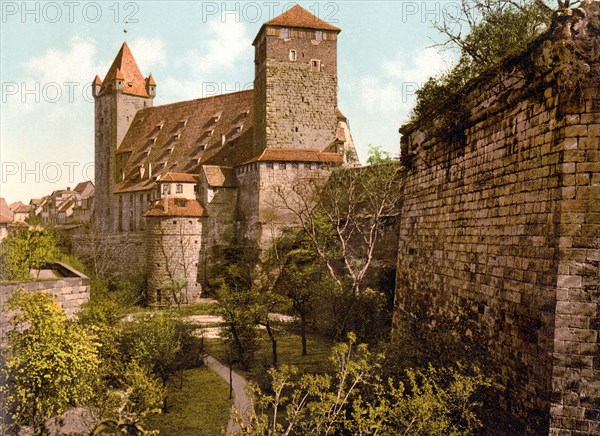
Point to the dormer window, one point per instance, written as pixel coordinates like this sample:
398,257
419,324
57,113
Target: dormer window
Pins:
182,123
284,33
245,114
195,161
216,117
202,147
293,55
238,129
209,133
169,151
319,35
315,65
176,137
146,153
160,126
161,165
152,141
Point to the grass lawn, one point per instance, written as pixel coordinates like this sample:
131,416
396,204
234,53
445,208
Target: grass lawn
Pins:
289,350
201,407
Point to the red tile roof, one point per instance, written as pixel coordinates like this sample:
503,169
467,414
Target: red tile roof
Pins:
297,155
4,219
125,68
158,135
97,80
81,186
300,17
150,80
179,177
24,208
175,207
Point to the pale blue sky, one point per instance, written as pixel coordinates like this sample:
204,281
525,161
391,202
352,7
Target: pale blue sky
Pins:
51,51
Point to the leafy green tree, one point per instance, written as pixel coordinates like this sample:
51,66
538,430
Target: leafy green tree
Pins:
48,365
27,249
157,344
354,399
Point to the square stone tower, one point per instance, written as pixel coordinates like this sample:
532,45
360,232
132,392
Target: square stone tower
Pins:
123,92
295,82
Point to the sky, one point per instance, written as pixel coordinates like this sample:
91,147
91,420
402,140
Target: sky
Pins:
51,51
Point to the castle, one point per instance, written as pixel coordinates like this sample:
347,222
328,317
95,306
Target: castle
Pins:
195,176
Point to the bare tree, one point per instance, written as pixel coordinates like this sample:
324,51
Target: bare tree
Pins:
345,217
176,250
97,249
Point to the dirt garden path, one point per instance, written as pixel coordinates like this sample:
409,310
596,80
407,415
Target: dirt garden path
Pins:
241,401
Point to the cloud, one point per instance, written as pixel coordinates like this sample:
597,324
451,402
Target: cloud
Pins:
227,41
149,53
226,47
394,88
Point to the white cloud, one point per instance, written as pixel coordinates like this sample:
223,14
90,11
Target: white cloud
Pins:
77,63
149,53
392,92
227,42
226,46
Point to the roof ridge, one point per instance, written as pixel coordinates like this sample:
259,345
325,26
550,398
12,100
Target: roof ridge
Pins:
195,100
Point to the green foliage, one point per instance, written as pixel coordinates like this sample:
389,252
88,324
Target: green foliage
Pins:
378,156
485,33
354,399
27,249
49,364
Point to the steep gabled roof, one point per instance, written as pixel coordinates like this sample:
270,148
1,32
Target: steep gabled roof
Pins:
125,68
179,177
175,207
219,177
181,137
82,186
24,208
300,17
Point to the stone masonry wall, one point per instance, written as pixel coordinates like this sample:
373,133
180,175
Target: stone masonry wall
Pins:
71,292
500,224
173,250
300,106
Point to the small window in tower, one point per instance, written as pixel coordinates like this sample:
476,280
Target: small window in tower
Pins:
284,33
293,55
319,35
315,65
179,188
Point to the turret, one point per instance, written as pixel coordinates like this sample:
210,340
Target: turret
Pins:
150,86
96,85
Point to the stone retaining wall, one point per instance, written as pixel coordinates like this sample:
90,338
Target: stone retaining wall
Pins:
71,291
500,223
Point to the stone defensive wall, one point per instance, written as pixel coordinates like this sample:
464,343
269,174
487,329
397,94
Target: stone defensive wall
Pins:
71,291
500,223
